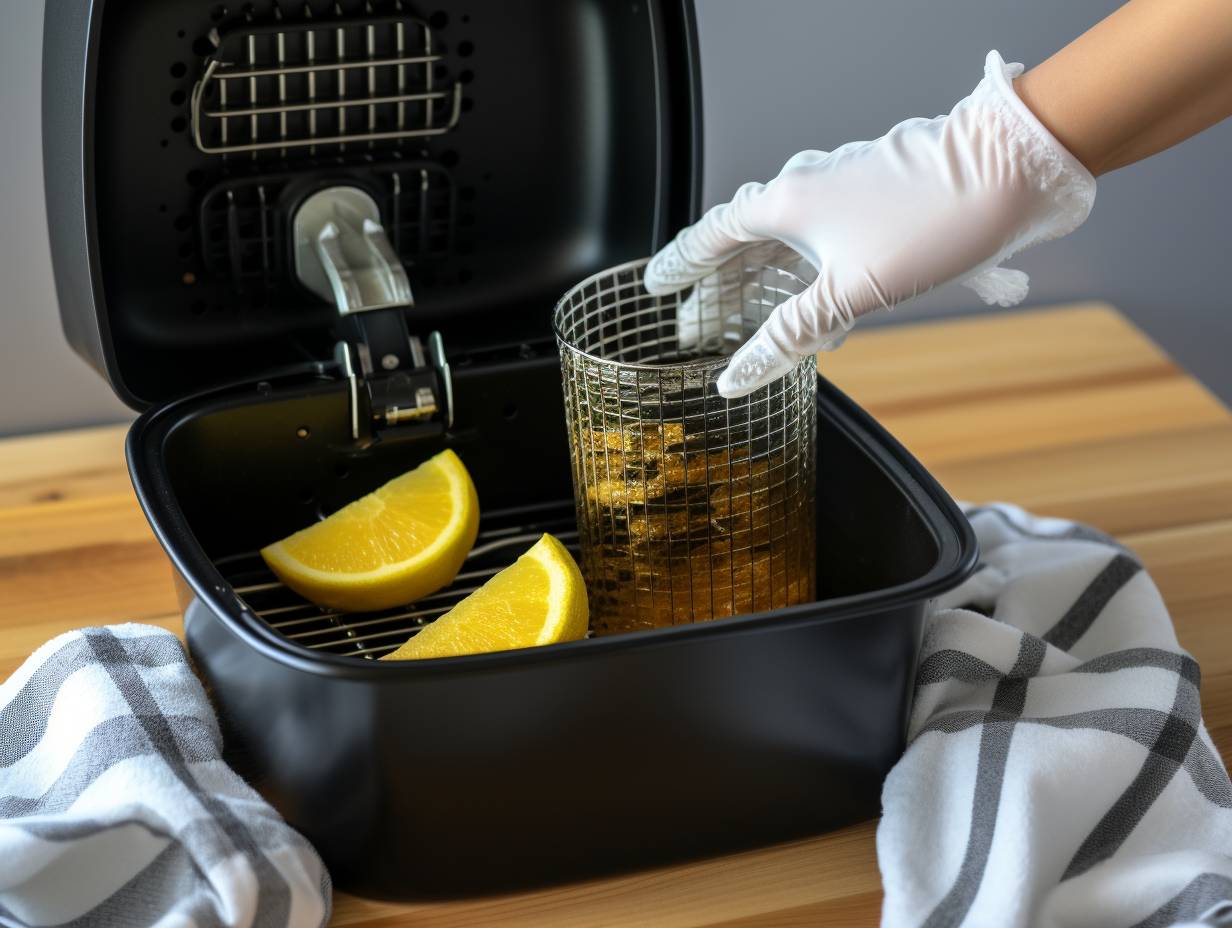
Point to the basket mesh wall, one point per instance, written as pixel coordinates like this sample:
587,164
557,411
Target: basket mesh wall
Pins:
689,506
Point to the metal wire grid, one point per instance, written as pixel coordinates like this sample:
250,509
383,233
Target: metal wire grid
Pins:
241,230
689,506
338,84
242,225
370,635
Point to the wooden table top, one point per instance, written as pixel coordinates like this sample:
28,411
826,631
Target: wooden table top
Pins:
1070,412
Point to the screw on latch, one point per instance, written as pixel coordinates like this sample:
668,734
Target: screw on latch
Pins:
389,361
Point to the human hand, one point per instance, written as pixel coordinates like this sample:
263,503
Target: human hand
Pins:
932,201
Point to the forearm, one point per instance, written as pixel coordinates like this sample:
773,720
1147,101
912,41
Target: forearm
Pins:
1152,74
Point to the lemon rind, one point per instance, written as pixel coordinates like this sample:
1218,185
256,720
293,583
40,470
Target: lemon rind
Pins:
558,590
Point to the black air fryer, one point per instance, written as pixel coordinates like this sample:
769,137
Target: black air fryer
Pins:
316,243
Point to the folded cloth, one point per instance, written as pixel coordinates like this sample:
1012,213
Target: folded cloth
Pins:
1058,772
116,808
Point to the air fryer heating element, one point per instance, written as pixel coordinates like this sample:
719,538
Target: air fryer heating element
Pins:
373,634
339,83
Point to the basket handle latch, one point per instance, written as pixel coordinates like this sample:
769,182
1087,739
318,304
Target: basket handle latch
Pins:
343,255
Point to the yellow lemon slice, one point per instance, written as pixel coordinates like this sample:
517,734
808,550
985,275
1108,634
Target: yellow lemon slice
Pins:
394,545
539,599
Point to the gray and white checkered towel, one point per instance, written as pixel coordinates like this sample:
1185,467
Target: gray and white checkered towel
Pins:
116,808
1058,772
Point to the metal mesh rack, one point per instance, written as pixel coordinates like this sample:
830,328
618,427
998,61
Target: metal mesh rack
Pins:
242,224
370,635
338,84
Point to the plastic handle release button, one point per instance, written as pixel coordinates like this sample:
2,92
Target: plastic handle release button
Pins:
343,255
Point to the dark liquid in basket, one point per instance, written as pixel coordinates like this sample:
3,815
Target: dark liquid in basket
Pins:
676,532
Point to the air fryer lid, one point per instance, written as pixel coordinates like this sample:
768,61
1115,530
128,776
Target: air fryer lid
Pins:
512,150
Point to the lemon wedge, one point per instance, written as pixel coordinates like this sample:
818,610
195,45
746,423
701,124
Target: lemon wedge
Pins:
394,545
539,599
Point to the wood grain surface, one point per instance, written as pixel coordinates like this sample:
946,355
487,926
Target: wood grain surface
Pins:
1069,412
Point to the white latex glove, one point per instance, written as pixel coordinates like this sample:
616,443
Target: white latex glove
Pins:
931,201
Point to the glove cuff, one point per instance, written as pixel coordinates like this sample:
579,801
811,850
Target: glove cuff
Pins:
1069,186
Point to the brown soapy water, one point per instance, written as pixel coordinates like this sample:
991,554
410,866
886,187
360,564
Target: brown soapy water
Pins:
685,533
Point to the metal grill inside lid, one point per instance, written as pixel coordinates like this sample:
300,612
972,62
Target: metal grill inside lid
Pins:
321,84
242,225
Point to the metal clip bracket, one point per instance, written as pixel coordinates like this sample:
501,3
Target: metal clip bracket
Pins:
343,255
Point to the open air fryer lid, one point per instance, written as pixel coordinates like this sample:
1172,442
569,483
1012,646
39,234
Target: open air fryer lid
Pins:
506,149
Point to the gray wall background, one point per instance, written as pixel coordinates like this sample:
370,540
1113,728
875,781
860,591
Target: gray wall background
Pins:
779,76
784,75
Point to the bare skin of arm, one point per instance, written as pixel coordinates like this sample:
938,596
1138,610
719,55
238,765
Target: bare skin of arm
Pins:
1151,75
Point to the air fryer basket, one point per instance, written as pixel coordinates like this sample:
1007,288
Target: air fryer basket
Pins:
503,770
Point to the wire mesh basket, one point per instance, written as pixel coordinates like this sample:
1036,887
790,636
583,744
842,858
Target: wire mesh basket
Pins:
689,506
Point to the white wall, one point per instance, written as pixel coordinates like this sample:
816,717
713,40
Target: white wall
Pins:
780,75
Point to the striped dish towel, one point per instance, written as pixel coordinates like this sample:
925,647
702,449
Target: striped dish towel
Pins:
1058,772
116,808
